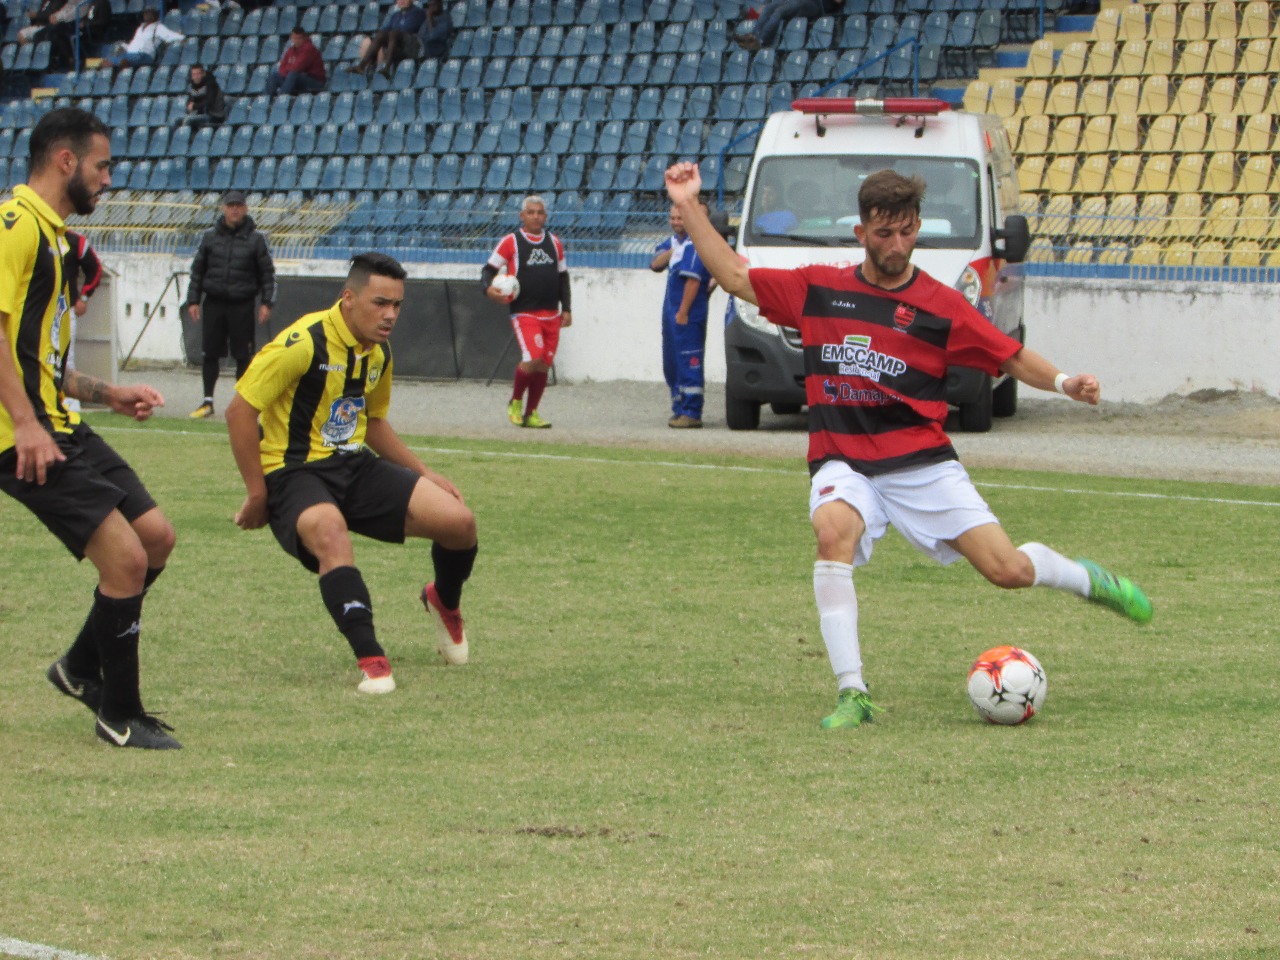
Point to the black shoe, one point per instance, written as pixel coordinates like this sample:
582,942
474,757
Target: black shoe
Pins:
88,690
144,731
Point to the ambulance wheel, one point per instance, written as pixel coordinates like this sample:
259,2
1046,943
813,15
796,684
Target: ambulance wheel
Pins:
1004,399
785,409
740,414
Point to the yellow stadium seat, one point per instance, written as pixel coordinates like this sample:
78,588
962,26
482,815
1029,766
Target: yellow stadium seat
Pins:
1152,216
1255,21
1163,24
1190,96
1080,252
1060,175
1102,59
1114,254
1256,136
1146,254
1273,102
1030,174
1133,22
1040,59
1034,95
1222,96
1159,58
1188,173
1253,96
1256,176
1091,215
1156,96
1096,137
1193,22
1035,135
1271,259
1132,57
1058,215
1223,218
1180,253
1092,177
1222,21
1106,25
1209,253
1256,57
1187,216
1245,253
1072,59
1222,57
1123,173
976,95
1041,251
1062,98
1013,127
1191,61
1120,216
1156,174
1066,135
1222,130
1160,134
1004,98
1191,133
1095,97
1029,207
1255,217
1220,173
1273,62
1125,137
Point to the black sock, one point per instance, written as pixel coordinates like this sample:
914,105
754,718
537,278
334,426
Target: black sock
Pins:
347,599
116,625
82,656
452,567
209,373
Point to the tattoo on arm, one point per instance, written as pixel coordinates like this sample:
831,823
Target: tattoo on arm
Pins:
84,387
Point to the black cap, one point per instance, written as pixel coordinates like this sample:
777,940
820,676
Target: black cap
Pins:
233,196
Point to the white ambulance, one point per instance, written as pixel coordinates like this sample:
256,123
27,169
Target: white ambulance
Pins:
801,205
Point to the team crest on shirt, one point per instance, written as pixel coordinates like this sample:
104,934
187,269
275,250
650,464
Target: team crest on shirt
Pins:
10,218
55,331
903,316
374,374
344,416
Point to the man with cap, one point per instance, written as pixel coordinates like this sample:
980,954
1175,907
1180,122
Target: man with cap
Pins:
231,271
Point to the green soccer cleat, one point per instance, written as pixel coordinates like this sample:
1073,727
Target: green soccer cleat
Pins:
1119,593
515,414
532,419
853,709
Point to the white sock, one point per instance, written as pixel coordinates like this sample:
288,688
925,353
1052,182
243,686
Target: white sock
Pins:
838,613
1055,570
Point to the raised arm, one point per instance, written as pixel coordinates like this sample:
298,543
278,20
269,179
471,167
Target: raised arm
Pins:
684,183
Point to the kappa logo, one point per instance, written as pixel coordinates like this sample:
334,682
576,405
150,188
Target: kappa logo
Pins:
352,605
539,258
135,628
292,338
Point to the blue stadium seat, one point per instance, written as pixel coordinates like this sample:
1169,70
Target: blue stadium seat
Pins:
119,84
628,175
718,137
622,103
823,66
424,172
522,104
283,139
649,104
504,42
242,173
780,96
312,171
264,178
415,138
541,71
755,101
450,71
822,33
794,35
674,102
535,139
583,139
551,43
614,70
572,170
665,136
429,106
595,40
140,81
263,141
487,139
854,34
716,39
548,107
136,144
242,141
639,67
541,12
736,67
180,141
379,173
518,70
528,41
693,133
471,74
609,139
472,174
655,168
560,138
699,103
637,137
521,175
663,70
158,145
450,105
464,137
763,66
495,73
334,174
221,174
393,137
399,172
473,105
326,138
370,140
348,18
220,145
498,174
425,76
546,172
328,19
619,40
795,66
363,110
564,72
198,174
589,69
565,12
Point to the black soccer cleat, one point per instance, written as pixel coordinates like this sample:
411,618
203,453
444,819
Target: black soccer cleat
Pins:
88,690
143,731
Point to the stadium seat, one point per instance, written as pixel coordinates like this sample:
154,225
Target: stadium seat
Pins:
1161,132
546,172
1255,20
1122,172
583,138
1119,221
1096,136
572,172
464,137
1066,135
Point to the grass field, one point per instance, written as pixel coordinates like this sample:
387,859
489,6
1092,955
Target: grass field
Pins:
631,766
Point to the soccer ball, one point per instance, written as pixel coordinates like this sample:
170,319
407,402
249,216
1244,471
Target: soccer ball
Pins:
507,285
1007,685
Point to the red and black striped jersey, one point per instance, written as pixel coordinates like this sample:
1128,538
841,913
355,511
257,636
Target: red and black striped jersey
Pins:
876,361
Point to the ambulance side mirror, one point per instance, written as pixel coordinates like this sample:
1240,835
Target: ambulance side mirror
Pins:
1013,242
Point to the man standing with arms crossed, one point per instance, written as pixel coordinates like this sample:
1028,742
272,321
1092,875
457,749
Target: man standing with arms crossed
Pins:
684,324
329,462
878,338
231,271
50,461
534,256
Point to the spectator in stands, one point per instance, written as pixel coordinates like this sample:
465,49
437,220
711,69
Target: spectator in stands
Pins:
301,67
206,103
776,13
389,45
145,43
93,17
43,17
432,40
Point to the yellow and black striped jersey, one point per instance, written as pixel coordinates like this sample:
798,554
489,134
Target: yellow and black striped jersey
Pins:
36,307
315,391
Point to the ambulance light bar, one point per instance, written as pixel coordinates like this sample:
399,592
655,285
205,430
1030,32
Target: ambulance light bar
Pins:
913,106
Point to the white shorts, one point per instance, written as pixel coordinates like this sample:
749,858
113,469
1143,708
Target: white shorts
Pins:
928,505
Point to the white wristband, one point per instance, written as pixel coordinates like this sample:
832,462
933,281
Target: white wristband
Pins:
1058,381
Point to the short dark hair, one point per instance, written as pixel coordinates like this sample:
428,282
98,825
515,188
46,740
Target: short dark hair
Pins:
297,31
69,127
366,265
891,195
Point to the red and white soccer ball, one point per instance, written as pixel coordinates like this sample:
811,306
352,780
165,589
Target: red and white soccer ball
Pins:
507,285
1007,685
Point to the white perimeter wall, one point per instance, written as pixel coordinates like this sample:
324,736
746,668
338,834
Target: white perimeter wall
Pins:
1144,339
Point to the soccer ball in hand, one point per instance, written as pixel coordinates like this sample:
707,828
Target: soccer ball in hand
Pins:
1007,685
507,285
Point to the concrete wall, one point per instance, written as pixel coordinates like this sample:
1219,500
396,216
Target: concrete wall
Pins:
1144,339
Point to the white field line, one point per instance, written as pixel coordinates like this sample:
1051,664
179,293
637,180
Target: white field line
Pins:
38,951
514,455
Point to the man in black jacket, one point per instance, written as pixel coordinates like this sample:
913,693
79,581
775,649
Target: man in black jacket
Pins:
232,269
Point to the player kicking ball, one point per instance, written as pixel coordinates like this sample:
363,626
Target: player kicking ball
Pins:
328,463
878,338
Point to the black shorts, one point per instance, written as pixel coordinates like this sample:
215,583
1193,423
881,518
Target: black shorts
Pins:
80,492
227,323
372,493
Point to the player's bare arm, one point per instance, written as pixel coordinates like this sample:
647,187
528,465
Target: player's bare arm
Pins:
242,428
383,440
35,448
684,183
136,401
1035,371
